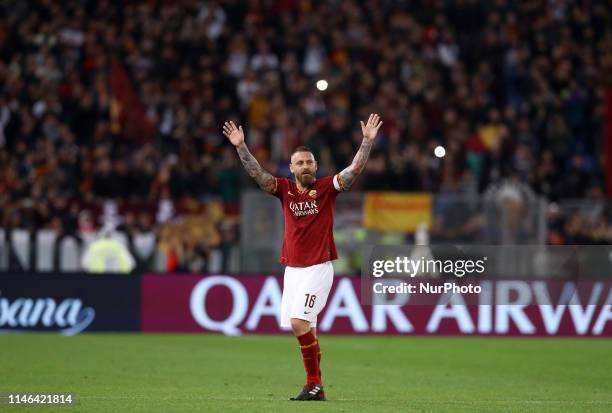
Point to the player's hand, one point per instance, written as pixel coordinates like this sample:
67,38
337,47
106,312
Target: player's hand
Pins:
370,129
234,134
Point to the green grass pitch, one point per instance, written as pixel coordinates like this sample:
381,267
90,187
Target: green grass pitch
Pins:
203,373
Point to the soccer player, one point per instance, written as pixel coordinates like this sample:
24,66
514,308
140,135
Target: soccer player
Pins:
308,244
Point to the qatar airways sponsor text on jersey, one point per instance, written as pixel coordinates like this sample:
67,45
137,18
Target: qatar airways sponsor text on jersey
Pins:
309,221
304,208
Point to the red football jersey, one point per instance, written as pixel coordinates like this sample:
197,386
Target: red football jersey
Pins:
309,222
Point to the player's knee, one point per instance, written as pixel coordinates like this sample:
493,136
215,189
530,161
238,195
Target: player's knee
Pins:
300,327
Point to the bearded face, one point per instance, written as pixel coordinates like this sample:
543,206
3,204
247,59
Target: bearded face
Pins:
304,167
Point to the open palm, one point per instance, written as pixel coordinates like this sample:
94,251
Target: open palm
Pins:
370,129
233,133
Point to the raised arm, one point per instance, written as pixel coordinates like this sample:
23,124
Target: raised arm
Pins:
264,179
369,130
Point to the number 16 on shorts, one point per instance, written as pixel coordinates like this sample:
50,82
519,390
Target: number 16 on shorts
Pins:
310,300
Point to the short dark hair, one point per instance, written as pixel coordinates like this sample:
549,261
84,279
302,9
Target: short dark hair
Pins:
302,149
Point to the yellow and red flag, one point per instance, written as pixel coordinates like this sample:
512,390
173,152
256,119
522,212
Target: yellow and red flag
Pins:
396,211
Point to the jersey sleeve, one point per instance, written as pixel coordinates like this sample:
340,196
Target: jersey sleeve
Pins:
331,182
338,183
280,187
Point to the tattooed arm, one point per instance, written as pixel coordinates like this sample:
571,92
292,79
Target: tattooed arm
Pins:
370,129
264,179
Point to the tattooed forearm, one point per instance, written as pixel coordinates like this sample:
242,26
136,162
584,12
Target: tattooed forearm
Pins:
348,175
263,178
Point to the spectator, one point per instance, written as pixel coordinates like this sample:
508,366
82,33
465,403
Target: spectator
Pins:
510,89
107,255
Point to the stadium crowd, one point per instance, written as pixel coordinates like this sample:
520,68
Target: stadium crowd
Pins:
510,89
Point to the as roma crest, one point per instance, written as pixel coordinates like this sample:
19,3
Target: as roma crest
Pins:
313,193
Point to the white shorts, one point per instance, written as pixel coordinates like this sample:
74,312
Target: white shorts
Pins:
305,291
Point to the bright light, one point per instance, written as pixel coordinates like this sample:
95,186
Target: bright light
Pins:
440,151
322,84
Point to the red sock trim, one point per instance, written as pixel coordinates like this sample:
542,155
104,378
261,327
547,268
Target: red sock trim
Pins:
306,339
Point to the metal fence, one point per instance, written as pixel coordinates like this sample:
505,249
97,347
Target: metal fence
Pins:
44,251
495,218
